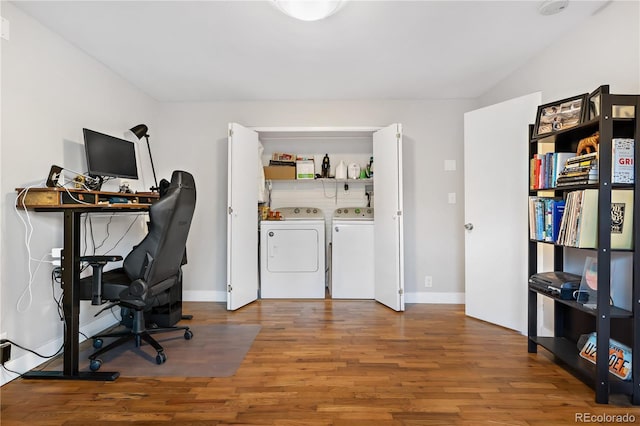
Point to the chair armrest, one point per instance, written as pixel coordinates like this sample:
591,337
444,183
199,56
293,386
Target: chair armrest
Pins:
100,259
135,295
97,264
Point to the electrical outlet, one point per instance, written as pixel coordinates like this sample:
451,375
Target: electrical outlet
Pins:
5,352
56,254
428,281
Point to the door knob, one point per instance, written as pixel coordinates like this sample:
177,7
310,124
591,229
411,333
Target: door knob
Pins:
468,226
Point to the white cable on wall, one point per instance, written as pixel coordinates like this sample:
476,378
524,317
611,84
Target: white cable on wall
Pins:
28,233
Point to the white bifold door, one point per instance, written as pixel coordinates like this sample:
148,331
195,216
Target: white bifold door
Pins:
242,218
242,222
388,239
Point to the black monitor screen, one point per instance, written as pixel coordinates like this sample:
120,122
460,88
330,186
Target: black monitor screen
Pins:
109,156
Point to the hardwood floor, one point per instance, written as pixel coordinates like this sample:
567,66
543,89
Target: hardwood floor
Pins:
336,363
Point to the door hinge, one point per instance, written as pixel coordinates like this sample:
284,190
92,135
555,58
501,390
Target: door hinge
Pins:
229,288
230,210
399,213
230,132
398,135
400,292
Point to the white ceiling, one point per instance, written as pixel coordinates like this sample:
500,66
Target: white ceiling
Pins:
249,50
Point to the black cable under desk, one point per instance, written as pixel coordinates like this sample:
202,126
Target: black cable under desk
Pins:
56,200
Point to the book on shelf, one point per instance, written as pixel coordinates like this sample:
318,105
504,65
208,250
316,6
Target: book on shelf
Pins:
622,159
560,160
577,171
582,179
579,226
580,165
578,182
556,217
545,169
583,159
545,215
578,175
534,172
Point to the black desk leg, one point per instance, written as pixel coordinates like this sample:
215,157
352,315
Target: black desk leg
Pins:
71,307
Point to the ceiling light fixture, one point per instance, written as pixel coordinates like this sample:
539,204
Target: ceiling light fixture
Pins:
309,10
551,7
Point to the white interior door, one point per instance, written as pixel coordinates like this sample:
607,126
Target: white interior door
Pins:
389,256
496,181
242,221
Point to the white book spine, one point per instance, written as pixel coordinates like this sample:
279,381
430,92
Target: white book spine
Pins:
622,160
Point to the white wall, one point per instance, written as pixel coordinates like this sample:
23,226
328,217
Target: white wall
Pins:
50,91
432,134
605,50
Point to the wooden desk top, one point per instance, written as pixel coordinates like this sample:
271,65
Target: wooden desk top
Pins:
72,198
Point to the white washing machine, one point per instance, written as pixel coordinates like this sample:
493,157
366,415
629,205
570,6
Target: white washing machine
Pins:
352,253
292,255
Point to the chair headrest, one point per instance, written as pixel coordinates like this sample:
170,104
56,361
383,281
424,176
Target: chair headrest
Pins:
181,179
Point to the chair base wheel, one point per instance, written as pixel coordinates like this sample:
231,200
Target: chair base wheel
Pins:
161,358
95,364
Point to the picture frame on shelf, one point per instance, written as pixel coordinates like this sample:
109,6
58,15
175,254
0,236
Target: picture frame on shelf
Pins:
559,115
594,103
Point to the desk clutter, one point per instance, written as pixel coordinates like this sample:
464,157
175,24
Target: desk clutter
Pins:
43,198
150,279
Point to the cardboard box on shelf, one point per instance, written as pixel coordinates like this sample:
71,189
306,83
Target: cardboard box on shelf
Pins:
279,172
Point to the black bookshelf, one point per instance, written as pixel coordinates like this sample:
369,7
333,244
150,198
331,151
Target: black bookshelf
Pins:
572,319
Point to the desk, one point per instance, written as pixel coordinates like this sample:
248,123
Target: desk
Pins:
73,204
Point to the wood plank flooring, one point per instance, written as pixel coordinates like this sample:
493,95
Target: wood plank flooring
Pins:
336,363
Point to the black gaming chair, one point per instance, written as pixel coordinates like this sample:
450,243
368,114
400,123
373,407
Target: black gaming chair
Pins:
148,272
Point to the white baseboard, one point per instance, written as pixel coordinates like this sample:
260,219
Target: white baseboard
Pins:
27,361
443,298
435,298
204,296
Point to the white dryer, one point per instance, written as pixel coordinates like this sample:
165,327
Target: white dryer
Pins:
352,255
292,255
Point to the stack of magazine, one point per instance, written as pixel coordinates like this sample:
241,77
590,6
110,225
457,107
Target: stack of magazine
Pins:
282,159
579,170
579,224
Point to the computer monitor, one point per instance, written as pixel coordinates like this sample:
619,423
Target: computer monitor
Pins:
109,156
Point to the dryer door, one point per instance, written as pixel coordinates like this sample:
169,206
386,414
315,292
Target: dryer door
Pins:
293,250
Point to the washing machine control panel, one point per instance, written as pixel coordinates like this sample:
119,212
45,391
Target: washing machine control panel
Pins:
354,213
300,213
